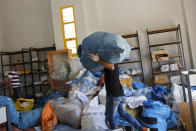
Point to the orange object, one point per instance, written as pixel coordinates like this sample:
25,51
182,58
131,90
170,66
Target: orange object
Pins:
49,120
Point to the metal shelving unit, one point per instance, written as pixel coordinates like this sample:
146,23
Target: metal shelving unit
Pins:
187,82
29,71
135,48
177,43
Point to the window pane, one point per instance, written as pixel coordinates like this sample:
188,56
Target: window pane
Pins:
69,30
71,44
68,15
74,50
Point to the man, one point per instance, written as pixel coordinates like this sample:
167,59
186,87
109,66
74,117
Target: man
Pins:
14,81
115,99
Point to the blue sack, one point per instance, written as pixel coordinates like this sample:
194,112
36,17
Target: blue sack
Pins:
30,119
172,121
13,114
138,85
110,47
157,111
157,93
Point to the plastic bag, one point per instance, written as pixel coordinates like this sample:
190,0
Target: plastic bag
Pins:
75,67
61,73
110,47
49,120
155,110
172,121
178,93
22,104
135,101
67,111
93,117
158,92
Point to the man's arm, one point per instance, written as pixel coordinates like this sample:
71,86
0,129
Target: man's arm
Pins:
106,64
103,63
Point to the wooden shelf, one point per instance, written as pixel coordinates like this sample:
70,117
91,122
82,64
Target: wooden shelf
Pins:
165,43
129,35
139,74
175,56
125,62
159,72
170,57
163,30
135,48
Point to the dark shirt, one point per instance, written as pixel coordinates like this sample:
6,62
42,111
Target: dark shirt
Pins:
113,86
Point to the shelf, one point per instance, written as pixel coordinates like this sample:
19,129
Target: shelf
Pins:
26,63
175,56
135,48
129,35
170,57
139,74
165,43
126,62
159,72
163,30
13,53
35,72
43,48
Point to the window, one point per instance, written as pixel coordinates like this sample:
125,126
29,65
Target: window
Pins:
69,29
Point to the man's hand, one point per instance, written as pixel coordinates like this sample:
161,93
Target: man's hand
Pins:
94,57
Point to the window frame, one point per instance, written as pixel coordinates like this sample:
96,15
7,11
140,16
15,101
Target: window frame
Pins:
64,23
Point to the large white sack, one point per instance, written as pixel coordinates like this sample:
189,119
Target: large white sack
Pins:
93,117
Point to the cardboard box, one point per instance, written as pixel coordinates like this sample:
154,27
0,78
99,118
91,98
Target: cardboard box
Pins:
128,82
161,55
185,114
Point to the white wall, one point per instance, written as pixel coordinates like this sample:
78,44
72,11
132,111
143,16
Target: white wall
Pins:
127,16
56,16
27,23
1,29
123,17
189,7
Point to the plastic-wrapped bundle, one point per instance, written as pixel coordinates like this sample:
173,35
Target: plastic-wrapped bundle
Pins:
154,115
29,119
110,47
13,114
172,121
62,72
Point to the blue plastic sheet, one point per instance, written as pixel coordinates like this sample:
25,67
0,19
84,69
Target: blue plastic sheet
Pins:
132,92
98,74
110,47
13,114
30,119
172,121
138,85
157,110
157,93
